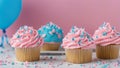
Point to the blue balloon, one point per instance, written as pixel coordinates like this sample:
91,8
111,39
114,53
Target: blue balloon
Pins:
9,12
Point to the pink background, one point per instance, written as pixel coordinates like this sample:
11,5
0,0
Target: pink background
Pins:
66,13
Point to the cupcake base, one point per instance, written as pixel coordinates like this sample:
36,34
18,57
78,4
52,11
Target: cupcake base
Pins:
27,54
107,52
50,47
78,56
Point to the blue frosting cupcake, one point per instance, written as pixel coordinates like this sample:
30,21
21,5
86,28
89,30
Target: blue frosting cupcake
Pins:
51,33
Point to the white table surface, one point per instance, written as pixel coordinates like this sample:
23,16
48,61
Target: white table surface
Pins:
7,60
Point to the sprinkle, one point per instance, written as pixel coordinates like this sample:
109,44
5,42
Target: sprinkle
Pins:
88,36
13,63
18,36
45,62
21,27
35,62
39,31
38,36
22,63
96,36
50,24
104,33
113,27
58,27
118,34
51,57
81,65
50,33
73,39
26,27
103,25
90,39
73,29
43,35
31,31
53,30
82,35
79,42
69,64
1,52
47,27
105,66
59,36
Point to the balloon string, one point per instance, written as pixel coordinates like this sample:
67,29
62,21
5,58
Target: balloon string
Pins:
2,41
4,38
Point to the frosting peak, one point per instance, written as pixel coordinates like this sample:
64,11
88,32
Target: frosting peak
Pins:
51,33
106,34
26,37
77,38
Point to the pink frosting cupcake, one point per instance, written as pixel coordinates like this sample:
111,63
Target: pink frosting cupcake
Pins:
27,43
77,44
107,40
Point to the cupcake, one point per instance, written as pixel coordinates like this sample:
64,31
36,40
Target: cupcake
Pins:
107,41
78,46
52,35
27,43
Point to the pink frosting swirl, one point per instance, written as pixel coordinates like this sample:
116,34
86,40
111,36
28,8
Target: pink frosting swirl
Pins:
77,38
106,35
26,37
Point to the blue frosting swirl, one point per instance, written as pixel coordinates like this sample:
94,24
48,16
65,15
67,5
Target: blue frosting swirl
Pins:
51,33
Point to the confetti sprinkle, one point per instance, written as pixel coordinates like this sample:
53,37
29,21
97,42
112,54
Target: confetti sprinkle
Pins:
79,42
13,63
103,25
31,31
104,33
118,34
53,30
43,35
21,27
73,31
1,52
73,39
38,36
105,66
113,27
26,27
22,63
81,36
18,36
35,62
59,36
50,33
88,36
96,36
